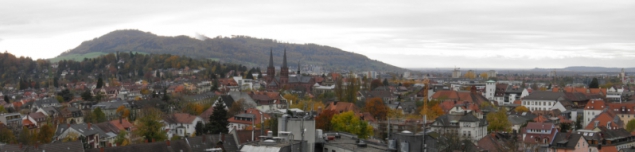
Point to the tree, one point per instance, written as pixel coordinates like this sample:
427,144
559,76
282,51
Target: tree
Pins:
578,123
521,109
100,116
484,75
87,95
218,120
150,127
348,122
2,109
100,83
377,108
431,110
199,128
375,83
630,126
395,113
123,112
385,82
323,121
565,127
6,99
6,135
236,108
214,85
594,83
470,74
291,98
308,104
498,121
55,82
46,134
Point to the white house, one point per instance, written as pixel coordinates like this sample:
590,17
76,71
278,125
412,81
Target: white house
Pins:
592,109
541,100
182,124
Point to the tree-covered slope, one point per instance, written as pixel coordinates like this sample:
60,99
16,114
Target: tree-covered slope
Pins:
236,49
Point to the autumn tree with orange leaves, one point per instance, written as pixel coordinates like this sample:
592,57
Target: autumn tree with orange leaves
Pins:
377,108
323,121
432,110
123,111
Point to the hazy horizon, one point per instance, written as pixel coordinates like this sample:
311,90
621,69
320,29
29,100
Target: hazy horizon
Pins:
409,34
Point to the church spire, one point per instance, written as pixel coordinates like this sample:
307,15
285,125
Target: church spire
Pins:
284,59
298,67
271,58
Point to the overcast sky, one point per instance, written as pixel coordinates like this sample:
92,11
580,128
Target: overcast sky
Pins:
466,34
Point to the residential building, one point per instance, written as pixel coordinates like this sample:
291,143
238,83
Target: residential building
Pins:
625,110
541,100
539,133
350,143
490,89
11,120
90,135
571,142
182,124
250,117
592,109
470,126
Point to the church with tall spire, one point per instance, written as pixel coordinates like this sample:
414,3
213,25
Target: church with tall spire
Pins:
295,82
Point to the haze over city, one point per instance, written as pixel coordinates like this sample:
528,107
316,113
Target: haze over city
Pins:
411,34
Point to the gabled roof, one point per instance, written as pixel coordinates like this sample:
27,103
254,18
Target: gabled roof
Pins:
181,118
595,104
539,126
341,107
603,119
544,95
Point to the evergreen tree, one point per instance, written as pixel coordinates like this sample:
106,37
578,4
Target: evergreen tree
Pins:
56,84
199,128
165,96
218,120
6,99
259,74
385,82
594,83
87,95
158,75
250,75
100,83
140,73
214,85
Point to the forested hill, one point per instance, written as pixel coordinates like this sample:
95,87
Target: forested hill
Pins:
236,49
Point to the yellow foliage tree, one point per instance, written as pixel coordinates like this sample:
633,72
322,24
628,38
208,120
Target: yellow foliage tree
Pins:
123,111
292,98
348,122
395,114
432,112
309,104
470,74
521,109
484,75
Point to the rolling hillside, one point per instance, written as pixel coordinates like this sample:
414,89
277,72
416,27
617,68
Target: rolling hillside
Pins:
236,49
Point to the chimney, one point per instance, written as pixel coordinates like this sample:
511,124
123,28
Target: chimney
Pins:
89,126
68,126
146,140
101,149
153,140
20,145
168,141
120,121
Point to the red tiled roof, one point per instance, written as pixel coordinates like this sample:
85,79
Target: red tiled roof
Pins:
123,125
341,107
603,118
595,104
540,119
446,94
539,126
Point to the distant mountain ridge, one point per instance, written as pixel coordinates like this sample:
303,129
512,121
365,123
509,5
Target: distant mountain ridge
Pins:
236,49
598,69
